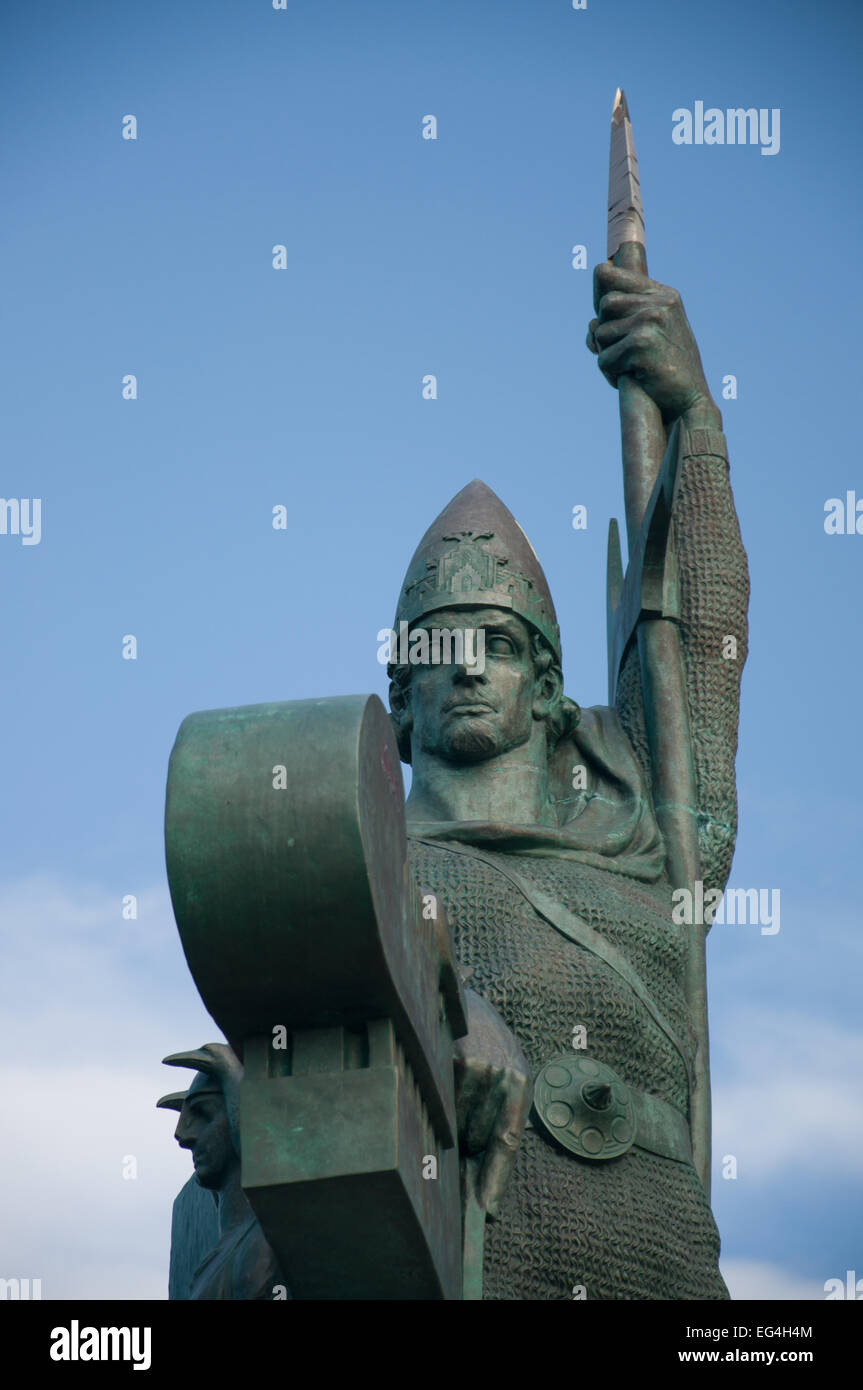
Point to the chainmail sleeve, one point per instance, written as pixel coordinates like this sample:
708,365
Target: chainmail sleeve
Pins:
714,596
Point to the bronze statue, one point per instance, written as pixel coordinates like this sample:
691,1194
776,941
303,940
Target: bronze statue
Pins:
559,900
239,1264
550,838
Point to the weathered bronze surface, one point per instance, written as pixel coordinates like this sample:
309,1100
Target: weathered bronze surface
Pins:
236,1261
572,1068
287,860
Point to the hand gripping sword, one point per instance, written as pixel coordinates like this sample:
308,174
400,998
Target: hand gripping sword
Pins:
644,605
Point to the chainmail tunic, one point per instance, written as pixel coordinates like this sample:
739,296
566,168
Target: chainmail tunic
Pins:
635,1227
638,1226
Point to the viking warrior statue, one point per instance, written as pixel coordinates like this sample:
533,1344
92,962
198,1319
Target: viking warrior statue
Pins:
535,823
547,845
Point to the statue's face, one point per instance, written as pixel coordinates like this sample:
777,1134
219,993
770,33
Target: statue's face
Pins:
203,1128
465,716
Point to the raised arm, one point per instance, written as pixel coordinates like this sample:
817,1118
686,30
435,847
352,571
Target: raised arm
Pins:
642,330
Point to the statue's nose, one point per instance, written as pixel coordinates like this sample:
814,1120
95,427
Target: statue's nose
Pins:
182,1135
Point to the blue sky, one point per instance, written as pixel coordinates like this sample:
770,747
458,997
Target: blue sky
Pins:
302,387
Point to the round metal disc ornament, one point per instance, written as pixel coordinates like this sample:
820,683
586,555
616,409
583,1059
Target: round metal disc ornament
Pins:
584,1106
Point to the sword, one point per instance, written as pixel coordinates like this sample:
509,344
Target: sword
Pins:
644,603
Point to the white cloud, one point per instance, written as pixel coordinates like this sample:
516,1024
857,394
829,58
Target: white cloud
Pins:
91,1003
755,1279
793,1101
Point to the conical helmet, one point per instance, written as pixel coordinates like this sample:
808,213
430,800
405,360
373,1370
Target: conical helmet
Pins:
476,553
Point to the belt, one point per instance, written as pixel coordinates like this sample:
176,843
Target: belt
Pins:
585,1107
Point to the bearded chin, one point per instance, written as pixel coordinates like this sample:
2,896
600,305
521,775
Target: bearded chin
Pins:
472,741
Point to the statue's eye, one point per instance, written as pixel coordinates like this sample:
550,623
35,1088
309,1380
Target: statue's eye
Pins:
498,645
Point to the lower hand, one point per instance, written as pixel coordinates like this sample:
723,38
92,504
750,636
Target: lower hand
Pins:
492,1087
